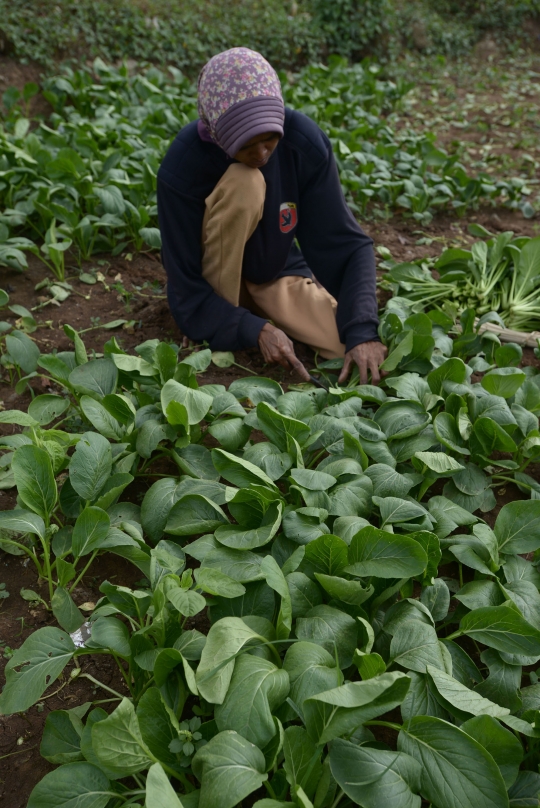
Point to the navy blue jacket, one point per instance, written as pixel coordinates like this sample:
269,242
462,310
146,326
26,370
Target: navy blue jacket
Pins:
302,170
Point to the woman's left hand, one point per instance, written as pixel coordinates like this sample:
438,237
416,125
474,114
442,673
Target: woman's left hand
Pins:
368,356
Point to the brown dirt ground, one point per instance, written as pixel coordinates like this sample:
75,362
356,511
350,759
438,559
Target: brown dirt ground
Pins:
149,311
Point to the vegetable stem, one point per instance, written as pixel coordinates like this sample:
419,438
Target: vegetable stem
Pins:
82,574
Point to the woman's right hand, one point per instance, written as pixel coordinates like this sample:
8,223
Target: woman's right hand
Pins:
277,348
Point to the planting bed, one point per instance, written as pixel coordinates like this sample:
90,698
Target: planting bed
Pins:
253,591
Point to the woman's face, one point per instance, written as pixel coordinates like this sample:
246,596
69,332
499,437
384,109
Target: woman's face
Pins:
257,151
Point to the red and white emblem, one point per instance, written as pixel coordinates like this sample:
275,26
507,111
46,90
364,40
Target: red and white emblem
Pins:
288,217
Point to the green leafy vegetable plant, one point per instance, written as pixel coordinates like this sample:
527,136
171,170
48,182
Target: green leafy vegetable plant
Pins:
329,558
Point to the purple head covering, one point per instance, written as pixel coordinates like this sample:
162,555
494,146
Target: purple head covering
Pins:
239,98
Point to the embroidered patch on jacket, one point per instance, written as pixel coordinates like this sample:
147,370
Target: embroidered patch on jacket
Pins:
288,217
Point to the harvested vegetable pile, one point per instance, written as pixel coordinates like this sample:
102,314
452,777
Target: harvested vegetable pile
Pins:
500,276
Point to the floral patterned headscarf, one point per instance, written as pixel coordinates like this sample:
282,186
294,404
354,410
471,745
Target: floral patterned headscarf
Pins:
239,97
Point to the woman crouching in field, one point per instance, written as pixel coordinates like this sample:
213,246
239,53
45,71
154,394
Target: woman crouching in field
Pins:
258,242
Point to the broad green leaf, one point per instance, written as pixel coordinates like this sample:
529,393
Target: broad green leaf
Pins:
505,749
421,700
196,460
90,465
279,428
256,690
269,458
97,378
35,481
524,793
387,481
240,565
409,386
111,198
47,407
492,437
75,784
64,609
351,592
369,665
432,548
231,433
159,791
117,742
401,419
313,480
448,516
403,349
113,488
188,602
375,778
33,667
311,670
165,663
22,521
196,402
327,554
90,531
340,711
439,462
350,499
528,267
101,419
385,555
299,406
457,772
133,364
276,581
166,360
17,417
436,597
150,436
302,759
215,582
223,359
225,639
447,432
394,510
502,628
485,500
238,471
229,768
504,382
461,698
452,370
61,740
194,513
257,389
235,537
305,593
108,632
23,350
518,527
416,645
334,630
305,524
157,729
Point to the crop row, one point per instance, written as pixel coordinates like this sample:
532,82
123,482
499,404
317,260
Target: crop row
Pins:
85,179
350,586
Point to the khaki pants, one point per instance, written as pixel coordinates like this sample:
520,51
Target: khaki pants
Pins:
297,305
